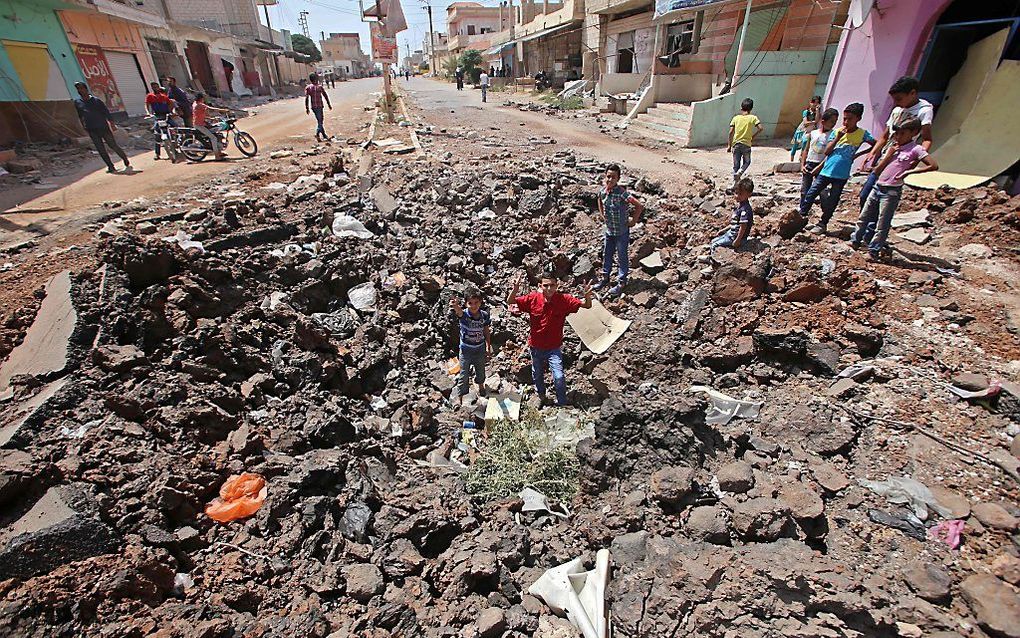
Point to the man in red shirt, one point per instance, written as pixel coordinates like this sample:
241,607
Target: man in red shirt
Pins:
315,94
548,312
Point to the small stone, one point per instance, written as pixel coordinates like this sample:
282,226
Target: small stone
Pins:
929,581
995,516
491,622
115,358
970,381
1007,567
735,477
958,506
841,388
145,228
364,581
829,477
996,606
709,523
761,519
671,486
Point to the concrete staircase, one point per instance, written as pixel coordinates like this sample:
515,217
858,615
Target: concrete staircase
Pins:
666,122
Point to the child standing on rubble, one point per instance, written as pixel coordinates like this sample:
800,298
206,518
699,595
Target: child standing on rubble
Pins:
885,197
743,127
621,211
742,219
814,149
840,153
547,310
475,340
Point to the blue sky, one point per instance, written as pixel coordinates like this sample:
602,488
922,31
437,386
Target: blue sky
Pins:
343,16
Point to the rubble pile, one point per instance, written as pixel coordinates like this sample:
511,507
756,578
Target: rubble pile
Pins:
300,331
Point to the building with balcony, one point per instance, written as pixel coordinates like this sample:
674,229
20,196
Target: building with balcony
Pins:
342,52
542,37
471,25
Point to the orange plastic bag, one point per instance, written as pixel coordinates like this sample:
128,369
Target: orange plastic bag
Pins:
240,497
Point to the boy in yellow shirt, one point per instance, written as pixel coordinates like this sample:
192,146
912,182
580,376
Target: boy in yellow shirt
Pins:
743,128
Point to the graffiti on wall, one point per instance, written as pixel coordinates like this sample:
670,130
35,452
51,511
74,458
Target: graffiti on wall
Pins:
98,76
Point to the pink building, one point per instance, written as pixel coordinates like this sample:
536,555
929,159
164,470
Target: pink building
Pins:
924,38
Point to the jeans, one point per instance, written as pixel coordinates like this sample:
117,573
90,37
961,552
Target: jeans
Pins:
485,89
103,137
725,240
616,246
471,358
869,184
880,207
318,120
213,138
155,131
807,178
460,83
741,159
554,359
835,185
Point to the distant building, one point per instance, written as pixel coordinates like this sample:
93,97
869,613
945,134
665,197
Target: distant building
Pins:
437,51
472,26
342,52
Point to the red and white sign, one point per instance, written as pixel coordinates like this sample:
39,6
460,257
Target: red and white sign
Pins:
98,76
384,48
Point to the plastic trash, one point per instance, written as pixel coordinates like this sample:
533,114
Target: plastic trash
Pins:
903,490
183,240
362,296
535,501
396,280
339,323
347,226
182,583
947,532
580,595
485,213
240,497
901,520
992,390
724,408
273,300
453,366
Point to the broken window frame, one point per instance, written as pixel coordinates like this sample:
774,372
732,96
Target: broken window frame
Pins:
471,29
626,53
677,50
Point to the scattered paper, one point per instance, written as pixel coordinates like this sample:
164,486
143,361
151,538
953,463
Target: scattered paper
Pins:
597,327
504,406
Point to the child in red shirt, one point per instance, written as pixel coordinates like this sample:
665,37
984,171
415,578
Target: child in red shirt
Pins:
548,312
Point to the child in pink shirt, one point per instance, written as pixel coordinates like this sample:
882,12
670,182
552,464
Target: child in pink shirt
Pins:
876,216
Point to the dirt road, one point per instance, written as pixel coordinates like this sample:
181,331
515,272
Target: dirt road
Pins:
281,124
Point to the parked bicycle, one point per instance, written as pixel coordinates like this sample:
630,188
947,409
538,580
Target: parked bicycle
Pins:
199,146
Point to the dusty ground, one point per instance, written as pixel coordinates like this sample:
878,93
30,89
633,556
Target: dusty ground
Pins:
249,358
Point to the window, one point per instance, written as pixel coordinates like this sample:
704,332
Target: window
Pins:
625,52
471,29
681,40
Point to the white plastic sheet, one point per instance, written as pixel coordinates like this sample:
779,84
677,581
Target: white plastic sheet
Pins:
347,226
580,595
903,490
183,240
362,296
724,408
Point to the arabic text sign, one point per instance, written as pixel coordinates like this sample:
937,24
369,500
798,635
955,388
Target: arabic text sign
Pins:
98,76
663,7
384,48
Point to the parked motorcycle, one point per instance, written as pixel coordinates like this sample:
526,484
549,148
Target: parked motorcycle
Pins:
199,147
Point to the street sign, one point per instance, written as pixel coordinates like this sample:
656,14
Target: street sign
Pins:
384,47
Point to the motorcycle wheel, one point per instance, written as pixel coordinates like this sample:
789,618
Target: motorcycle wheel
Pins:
246,144
194,148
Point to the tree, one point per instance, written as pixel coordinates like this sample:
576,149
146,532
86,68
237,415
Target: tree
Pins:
306,46
471,60
450,65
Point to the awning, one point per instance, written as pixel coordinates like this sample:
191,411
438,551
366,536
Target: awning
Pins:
664,7
546,32
499,48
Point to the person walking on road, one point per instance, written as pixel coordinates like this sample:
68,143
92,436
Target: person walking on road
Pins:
95,119
459,74
315,95
483,81
178,95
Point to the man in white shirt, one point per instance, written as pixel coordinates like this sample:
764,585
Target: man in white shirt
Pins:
483,81
908,107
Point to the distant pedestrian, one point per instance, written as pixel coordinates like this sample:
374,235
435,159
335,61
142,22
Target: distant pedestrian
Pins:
180,97
315,95
741,220
808,122
840,153
743,127
492,71
547,311
475,340
620,211
459,74
902,160
159,105
407,75
908,106
814,149
483,81
97,122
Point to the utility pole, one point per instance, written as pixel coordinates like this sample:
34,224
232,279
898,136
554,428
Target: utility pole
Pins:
385,65
740,47
303,22
432,43
276,59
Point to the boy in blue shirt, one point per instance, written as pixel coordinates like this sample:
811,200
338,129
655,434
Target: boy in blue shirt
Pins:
742,219
620,211
834,172
475,339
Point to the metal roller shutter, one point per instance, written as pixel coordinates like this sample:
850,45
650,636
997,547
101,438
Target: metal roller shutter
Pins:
129,80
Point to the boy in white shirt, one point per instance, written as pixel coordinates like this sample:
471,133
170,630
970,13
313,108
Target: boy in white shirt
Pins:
814,150
483,81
